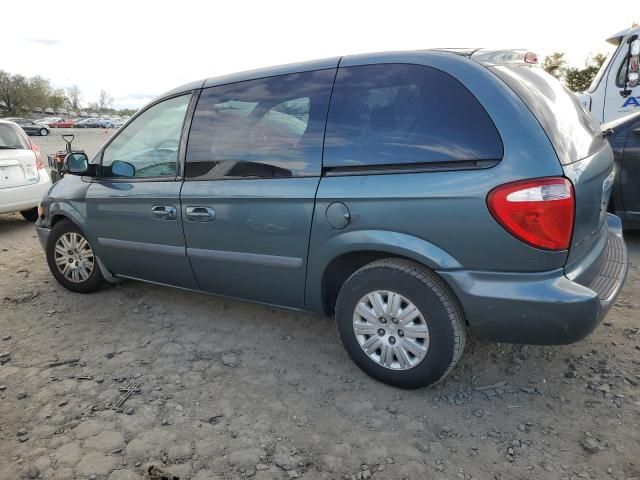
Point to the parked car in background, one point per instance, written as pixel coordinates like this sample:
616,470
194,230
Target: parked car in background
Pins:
49,111
84,114
48,120
37,110
89,123
410,194
23,176
119,122
107,123
625,140
30,127
66,123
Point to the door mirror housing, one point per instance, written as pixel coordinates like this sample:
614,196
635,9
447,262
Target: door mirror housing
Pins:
77,163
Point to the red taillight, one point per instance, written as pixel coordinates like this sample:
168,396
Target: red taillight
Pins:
539,212
39,163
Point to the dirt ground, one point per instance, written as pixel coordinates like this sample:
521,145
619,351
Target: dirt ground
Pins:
232,390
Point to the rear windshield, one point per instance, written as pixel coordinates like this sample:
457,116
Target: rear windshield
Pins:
11,137
574,134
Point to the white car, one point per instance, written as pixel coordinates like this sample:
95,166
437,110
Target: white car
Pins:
23,176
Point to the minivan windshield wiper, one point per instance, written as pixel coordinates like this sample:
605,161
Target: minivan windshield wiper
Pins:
7,147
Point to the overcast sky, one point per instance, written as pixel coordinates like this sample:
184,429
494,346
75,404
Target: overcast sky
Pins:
136,49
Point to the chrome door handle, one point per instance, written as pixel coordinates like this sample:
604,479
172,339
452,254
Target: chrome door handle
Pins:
200,214
164,212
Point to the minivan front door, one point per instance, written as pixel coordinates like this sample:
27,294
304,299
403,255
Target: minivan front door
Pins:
133,207
252,168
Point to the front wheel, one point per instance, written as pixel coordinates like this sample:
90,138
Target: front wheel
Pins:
44,132
71,258
400,323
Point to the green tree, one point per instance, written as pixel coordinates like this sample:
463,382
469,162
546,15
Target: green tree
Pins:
579,79
14,93
39,91
57,99
555,64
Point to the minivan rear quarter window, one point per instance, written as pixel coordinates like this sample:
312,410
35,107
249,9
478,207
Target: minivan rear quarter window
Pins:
572,130
393,114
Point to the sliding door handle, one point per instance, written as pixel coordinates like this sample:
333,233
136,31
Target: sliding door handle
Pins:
200,214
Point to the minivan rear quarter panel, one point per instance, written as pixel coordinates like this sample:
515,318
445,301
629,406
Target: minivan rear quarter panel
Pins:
443,209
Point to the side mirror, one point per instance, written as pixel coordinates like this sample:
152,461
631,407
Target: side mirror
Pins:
122,169
76,164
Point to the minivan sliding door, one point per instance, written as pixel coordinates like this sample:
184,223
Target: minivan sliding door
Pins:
252,169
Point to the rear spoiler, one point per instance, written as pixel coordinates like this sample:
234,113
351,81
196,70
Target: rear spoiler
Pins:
498,57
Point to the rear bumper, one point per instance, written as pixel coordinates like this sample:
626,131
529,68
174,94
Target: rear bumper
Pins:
14,199
545,308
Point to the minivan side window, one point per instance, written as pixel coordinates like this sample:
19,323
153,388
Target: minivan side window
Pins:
266,128
148,146
390,114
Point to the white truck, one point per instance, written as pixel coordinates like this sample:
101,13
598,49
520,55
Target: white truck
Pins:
615,91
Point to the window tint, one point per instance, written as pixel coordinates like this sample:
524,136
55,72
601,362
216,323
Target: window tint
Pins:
265,128
149,144
397,114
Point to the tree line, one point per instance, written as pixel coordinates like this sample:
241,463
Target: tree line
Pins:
19,95
575,79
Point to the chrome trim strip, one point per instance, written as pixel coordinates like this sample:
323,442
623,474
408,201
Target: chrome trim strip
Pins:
244,257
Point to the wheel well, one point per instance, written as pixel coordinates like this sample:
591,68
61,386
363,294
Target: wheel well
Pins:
56,218
340,269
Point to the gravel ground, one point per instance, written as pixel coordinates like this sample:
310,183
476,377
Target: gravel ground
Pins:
232,390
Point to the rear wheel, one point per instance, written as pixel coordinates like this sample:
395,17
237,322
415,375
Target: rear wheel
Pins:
71,258
44,132
30,215
400,323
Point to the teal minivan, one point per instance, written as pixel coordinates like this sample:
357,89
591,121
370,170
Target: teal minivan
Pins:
413,195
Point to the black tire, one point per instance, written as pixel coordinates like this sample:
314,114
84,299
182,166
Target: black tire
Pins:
439,308
95,279
30,215
44,132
